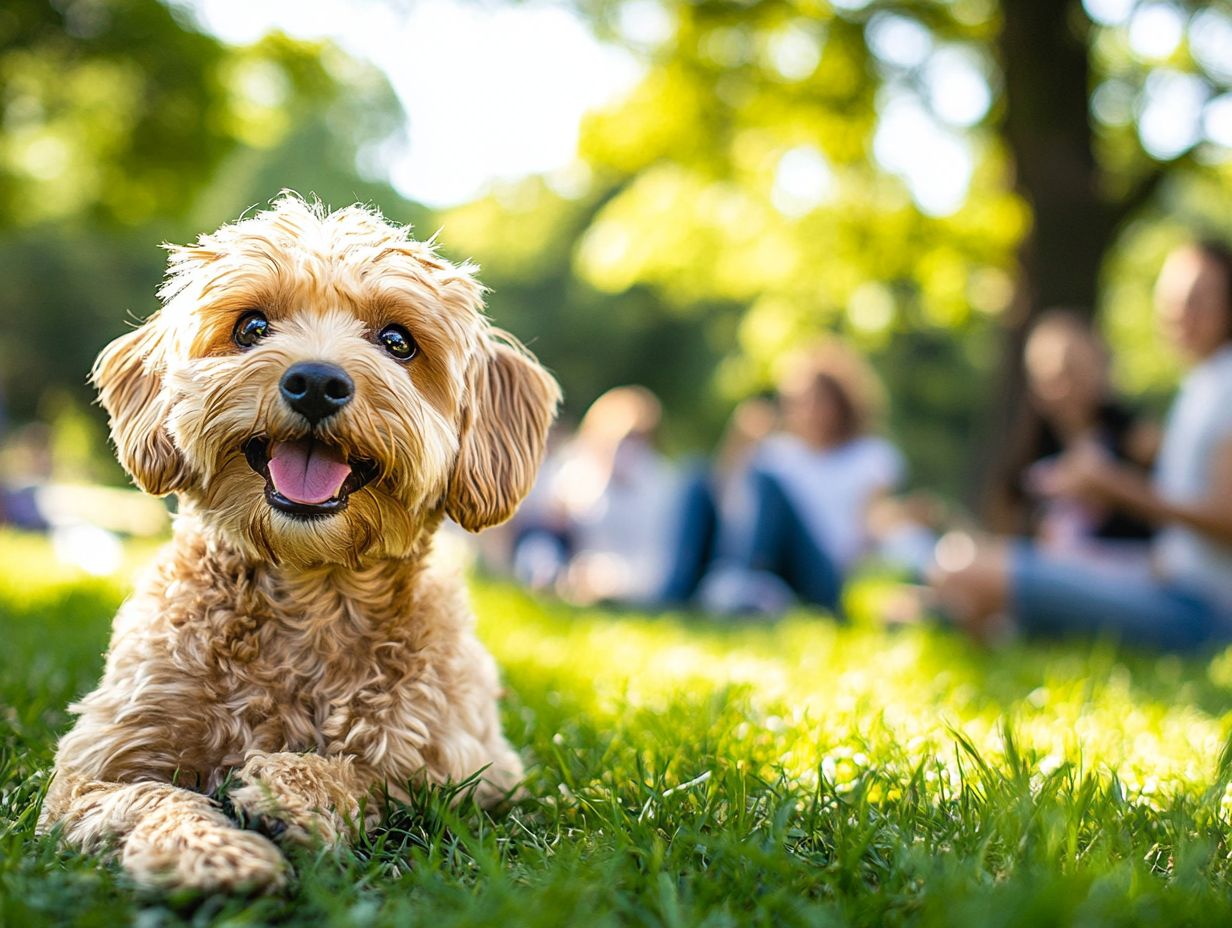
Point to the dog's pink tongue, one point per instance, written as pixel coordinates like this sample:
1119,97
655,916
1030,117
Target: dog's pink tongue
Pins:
307,471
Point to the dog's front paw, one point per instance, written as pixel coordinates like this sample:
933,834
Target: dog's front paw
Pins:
189,855
298,798
282,818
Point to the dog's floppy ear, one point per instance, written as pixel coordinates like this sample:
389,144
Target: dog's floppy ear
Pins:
129,378
510,404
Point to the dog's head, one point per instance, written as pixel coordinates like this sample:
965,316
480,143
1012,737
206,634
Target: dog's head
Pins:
320,387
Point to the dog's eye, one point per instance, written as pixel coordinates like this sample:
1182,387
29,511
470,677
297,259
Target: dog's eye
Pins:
398,342
252,327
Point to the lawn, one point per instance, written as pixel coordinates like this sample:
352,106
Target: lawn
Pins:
689,772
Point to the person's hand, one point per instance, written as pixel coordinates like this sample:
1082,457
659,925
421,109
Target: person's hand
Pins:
1084,473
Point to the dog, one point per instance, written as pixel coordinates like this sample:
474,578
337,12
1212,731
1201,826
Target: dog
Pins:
319,390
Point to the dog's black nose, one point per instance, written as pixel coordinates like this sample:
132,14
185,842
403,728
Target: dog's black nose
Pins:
316,390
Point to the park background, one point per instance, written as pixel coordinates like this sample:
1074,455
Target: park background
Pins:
675,194
665,193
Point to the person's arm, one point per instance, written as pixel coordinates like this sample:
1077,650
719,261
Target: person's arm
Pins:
888,471
1141,445
1088,472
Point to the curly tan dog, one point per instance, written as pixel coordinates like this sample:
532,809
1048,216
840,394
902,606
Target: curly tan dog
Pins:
320,391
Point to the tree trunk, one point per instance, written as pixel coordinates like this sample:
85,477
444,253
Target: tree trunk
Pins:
1044,59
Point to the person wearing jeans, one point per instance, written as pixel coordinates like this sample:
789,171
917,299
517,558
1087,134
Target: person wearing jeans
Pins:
800,519
1184,601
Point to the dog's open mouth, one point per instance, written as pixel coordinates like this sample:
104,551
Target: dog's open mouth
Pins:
307,478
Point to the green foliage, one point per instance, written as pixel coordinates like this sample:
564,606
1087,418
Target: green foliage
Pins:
524,236
699,145
116,111
688,772
675,258
82,262
111,109
734,90
694,157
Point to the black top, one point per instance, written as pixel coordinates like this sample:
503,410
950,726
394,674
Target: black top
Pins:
1113,431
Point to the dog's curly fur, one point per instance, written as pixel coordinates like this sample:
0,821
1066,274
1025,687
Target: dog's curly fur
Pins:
313,664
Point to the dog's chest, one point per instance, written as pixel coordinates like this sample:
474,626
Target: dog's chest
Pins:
326,691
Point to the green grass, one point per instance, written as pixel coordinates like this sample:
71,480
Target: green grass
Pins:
687,772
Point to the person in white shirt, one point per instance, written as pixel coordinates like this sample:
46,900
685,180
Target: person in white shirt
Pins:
1185,601
802,521
601,530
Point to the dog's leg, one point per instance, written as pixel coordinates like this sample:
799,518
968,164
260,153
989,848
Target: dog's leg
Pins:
163,835
502,774
304,797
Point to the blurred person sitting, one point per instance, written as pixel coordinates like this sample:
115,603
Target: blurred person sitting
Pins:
1071,404
606,505
533,545
1186,601
25,468
709,490
803,522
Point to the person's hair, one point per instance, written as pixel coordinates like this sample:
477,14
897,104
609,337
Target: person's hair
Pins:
850,422
847,377
620,412
1220,254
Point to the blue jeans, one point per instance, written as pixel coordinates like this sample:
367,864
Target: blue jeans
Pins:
697,536
781,544
1052,598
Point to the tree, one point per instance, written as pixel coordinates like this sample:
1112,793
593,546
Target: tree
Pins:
753,164
124,128
112,110
1083,177
524,235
